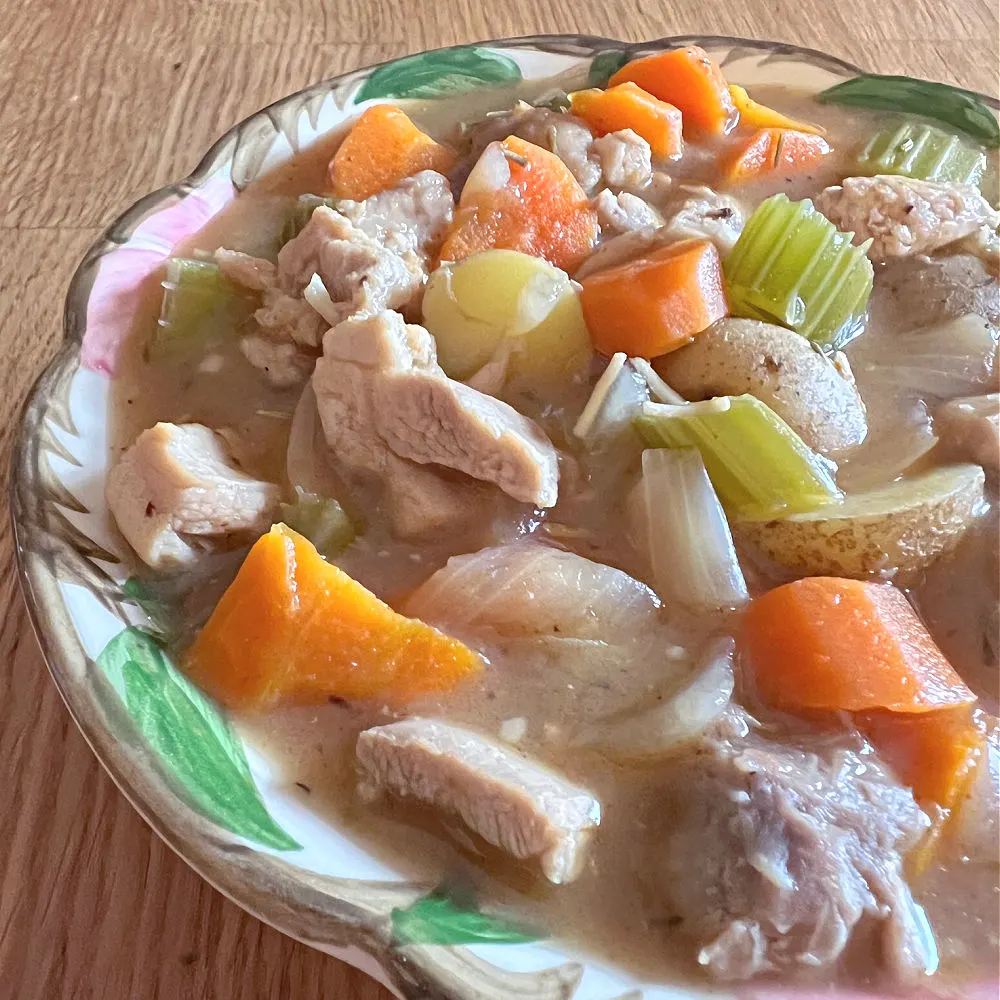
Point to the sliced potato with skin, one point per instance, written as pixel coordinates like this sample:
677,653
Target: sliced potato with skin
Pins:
816,397
501,302
901,527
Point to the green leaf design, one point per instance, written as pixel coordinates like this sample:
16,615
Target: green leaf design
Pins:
192,738
157,610
437,919
604,66
437,74
963,110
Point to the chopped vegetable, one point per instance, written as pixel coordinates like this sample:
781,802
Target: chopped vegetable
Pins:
932,752
901,527
675,719
690,545
923,152
960,109
754,115
199,302
771,149
320,519
382,148
628,106
793,267
756,462
501,297
614,403
522,197
688,79
301,213
293,627
656,304
845,645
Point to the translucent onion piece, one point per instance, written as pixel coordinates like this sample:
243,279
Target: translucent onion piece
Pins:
651,732
614,403
318,297
691,547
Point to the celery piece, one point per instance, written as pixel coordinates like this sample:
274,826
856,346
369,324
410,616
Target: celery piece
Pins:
793,267
758,465
321,519
300,214
199,302
911,149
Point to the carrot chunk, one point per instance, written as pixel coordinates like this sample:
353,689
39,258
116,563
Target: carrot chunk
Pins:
932,752
771,149
688,79
654,305
846,645
754,115
295,628
522,197
629,106
382,148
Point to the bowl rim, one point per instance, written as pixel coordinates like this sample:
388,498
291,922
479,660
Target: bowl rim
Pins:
255,881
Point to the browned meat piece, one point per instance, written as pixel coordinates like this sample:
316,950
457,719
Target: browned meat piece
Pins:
904,216
512,802
625,160
418,413
924,290
177,480
969,428
793,848
411,217
625,213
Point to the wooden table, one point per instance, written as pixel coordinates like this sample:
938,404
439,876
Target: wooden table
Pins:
100,102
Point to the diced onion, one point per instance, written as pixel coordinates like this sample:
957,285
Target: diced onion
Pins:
490,174
691,547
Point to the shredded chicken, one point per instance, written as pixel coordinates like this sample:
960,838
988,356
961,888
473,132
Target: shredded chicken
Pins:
625,160
625,212
904,216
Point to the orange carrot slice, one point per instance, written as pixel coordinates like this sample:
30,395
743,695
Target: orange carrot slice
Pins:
846,645
932,752
382,148
629,106
294,628
688,79
522,197
654,305
754,115
771,149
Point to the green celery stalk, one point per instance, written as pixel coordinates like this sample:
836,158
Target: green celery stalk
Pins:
924,152
759,466
300,214
321,519
199,303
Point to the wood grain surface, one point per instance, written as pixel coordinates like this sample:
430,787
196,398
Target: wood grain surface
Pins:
100,102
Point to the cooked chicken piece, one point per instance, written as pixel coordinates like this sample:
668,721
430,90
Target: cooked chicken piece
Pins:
422,415
794,847
925,290
283,365
904,216
413,216
969,428
178,480
566,136
625,159
698,212
512,802
625,213
251,272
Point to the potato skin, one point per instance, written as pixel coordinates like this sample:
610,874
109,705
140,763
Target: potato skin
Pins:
879,533
780,368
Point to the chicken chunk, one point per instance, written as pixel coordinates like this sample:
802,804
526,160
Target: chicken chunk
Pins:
625,213
969,428
283,365
412,217
795,845
387,370
177,480
512,802
697,212
625,160
905,216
